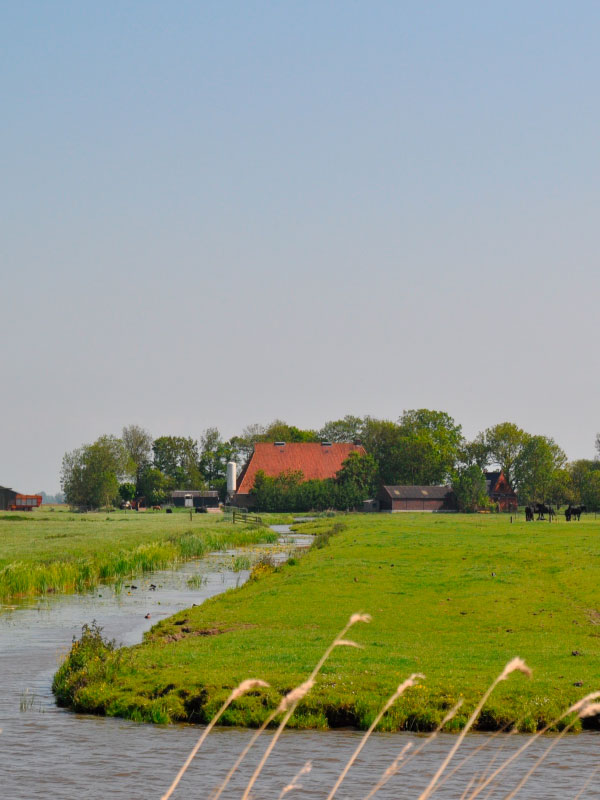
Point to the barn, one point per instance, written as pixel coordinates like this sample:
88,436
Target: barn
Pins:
316,461
500,491
14,501
417,498
195,498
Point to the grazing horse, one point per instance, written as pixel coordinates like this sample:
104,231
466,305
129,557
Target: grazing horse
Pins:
529,513
542,508
568,513
576,512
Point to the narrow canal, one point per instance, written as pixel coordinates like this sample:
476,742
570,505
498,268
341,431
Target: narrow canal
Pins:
49,752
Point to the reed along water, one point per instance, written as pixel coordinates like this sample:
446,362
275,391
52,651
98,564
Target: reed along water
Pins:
46,751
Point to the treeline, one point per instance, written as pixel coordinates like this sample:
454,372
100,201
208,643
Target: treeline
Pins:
422,447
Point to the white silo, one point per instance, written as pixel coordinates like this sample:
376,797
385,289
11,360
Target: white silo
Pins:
231,477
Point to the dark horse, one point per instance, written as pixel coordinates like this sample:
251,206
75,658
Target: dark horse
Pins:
541,508
529,511
574,512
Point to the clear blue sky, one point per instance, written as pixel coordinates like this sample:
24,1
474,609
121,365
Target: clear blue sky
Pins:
219,213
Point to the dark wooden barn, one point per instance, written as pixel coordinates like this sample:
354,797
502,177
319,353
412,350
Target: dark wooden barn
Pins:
417,498
500,491
195,498
7,498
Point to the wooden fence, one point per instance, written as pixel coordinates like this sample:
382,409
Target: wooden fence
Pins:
242,515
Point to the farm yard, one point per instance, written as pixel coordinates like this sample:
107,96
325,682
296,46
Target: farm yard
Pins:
452,596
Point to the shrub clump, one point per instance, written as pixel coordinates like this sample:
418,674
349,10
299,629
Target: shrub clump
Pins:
87,662
263,567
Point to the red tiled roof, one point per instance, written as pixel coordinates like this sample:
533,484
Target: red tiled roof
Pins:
314,459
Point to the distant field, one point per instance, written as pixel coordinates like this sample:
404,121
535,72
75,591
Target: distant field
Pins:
48,551
452,596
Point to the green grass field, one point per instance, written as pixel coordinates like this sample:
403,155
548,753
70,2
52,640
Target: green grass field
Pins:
47,551
452,596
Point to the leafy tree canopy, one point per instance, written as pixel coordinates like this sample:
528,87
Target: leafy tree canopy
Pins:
535,466
504,443
90,475
177,457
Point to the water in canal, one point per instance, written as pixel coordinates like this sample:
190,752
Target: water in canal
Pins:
49,752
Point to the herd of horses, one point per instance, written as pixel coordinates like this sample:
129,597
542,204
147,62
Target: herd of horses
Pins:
541,509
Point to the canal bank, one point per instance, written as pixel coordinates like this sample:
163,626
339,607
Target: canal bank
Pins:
46,751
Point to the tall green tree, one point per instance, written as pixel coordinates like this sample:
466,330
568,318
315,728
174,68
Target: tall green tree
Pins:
138,444
475,452
561,489
154,486
279,431
90,475
348,429
177,457
214,455
383,440
432,445
468,484
535,468
358,474
505,442
591,492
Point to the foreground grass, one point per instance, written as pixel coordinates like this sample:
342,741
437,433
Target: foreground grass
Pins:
45,552
454,597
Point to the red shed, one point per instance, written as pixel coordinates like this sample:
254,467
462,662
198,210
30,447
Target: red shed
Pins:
500,491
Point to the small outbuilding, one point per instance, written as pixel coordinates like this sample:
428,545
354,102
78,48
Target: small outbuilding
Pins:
195,498
500,491
417,498
14,501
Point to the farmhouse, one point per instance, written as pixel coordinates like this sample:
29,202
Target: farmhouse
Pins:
14,501
417,498
315,460
500,491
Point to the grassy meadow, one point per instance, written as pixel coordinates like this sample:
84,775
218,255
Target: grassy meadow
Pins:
452,596
59,551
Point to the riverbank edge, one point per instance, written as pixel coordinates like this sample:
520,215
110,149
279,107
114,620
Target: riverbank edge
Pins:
87,682
20,580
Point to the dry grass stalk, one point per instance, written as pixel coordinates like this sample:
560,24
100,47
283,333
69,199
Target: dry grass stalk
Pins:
393,769
468,786
399,691
245,686
591,777
291,706
472,754
400,761
575,708
294,784
542,758
244,753
588,709
516,665
288,704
